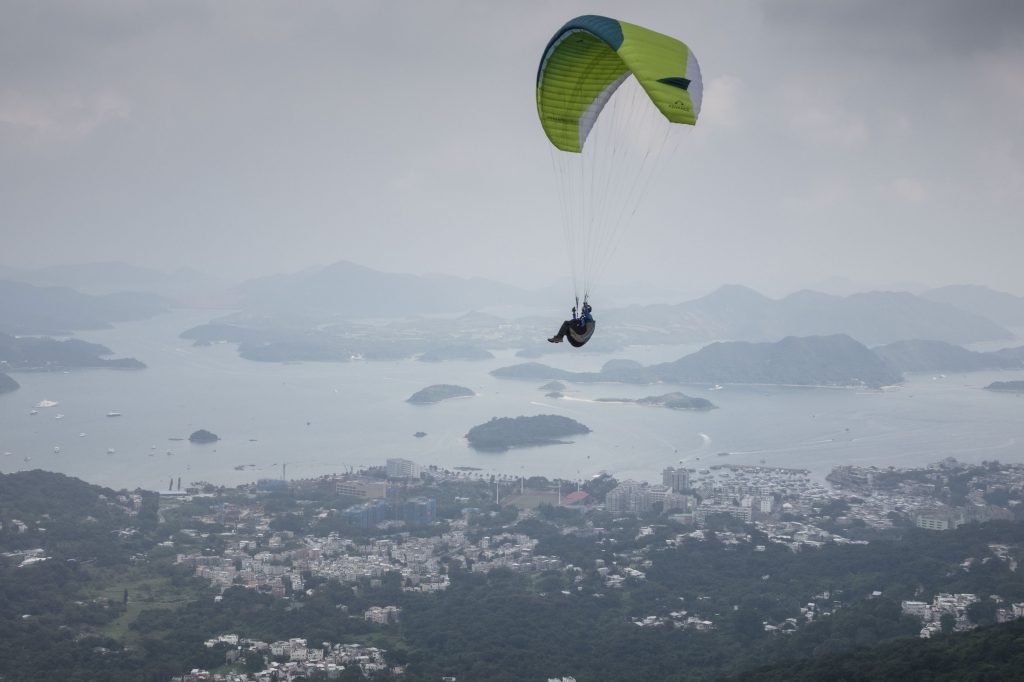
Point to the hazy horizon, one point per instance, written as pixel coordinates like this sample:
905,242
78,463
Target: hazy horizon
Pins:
628,288
850,142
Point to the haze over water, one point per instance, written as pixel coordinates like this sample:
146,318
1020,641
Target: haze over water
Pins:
326,417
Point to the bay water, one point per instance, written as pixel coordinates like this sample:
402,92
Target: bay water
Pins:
320,418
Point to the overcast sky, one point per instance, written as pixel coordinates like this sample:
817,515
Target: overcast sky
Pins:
879,142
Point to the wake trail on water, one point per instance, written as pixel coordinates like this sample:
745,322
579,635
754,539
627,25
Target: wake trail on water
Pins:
597,402
555,407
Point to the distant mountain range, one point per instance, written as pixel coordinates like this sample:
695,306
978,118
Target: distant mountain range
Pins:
741,314
959,314
184,286
1001,308
348,290
28,309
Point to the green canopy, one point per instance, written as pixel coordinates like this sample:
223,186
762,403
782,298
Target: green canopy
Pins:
587,60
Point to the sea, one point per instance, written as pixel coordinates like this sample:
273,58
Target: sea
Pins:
302,420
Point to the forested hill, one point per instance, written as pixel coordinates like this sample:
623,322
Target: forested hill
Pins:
65,516
27,309
938,356
992,653
811,360
836,360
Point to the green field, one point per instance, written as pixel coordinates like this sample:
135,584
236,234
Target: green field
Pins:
531,499
145,591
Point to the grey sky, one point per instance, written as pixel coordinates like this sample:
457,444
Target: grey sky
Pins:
875,141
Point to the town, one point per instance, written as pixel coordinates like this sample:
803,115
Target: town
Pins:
417,525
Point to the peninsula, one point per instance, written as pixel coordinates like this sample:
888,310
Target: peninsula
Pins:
438,392
7,384
501,434
30,353
1006,386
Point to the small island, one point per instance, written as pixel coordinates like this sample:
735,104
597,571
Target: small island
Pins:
501,434
203,436
553,387
678,401
673,401
1006,386
439,392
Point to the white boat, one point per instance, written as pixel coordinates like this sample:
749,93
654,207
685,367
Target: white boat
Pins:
47,403
110,451
59,416
82,434
113,414
33,411
56,448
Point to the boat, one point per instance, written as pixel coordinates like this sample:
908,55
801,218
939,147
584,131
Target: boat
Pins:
33,411
47,403
113,414
59,416
110,451
56,448
82,434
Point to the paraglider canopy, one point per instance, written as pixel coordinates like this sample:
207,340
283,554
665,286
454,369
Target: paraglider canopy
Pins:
590,57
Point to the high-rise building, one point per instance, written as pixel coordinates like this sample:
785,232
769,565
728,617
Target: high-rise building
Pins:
419,511
362,488
628,496
402,468
676,478
367,514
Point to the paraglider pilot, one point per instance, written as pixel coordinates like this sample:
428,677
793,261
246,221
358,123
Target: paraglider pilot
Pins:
578,329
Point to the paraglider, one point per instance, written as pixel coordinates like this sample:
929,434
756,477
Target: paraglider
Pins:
578,329
609,95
